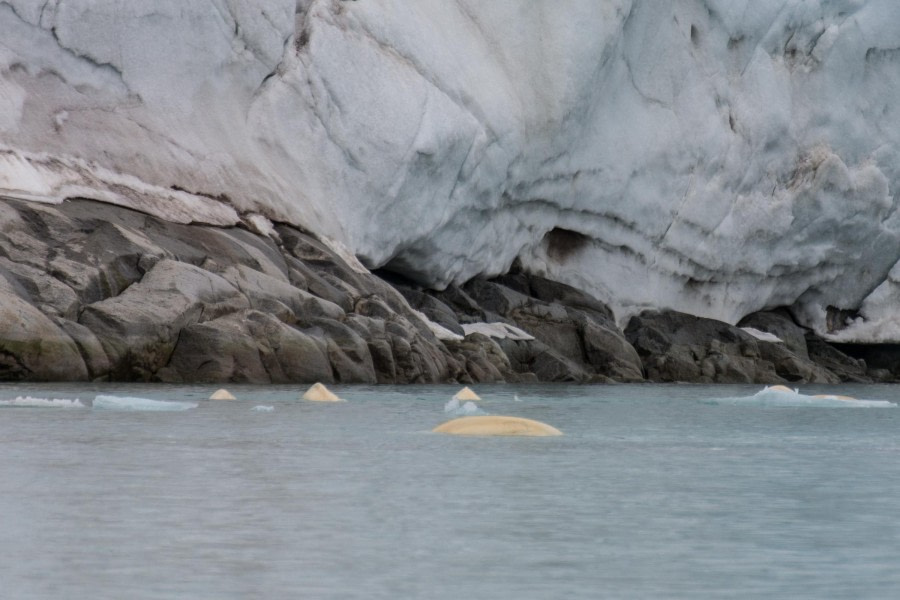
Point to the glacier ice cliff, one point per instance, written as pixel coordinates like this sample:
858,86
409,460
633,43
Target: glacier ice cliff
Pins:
715,157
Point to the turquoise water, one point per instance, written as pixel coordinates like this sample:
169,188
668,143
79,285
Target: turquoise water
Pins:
653,492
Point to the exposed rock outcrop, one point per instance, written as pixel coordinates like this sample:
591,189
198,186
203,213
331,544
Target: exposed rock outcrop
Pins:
92,291
97,292
575,336
679,347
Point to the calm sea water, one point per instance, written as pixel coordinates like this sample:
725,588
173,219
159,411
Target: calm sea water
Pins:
653,492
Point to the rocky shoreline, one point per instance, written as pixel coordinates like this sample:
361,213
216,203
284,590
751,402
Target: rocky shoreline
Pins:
95,292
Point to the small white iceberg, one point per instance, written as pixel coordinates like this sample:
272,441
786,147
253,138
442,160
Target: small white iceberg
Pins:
126,403
454,407
31,402
779,395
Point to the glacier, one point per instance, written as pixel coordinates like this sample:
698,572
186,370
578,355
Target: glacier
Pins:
715,157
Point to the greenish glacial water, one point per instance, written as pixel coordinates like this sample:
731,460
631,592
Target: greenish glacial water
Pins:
653,492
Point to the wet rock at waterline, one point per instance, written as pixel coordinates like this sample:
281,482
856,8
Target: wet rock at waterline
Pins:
678,347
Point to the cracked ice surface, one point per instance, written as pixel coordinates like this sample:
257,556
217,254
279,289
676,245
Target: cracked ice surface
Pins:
712,156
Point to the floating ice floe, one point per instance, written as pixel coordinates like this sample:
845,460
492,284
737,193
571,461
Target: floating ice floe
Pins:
454,407
262,408
779,395
125,403
31,402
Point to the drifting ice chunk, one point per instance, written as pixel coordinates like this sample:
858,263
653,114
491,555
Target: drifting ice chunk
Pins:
262,408
454,408
125,403
29,402
779,395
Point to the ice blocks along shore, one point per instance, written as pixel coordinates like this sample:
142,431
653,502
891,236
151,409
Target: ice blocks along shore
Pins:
131,404
782,396
101,402
32,402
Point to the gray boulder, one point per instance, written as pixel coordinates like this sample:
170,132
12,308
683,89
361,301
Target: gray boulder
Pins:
679,347
347,351
140,327
43,291
794,367
607,350
780,324
482,359
432,308
32,347
247,347
89,346
845,367
583,337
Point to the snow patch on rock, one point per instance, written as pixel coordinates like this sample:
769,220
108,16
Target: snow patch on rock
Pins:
500,331
762,335
439,331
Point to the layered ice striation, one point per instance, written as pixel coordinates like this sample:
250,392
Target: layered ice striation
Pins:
716,157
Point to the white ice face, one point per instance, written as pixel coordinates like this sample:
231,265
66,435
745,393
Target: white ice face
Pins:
711,156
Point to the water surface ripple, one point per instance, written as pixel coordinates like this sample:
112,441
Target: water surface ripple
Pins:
653,492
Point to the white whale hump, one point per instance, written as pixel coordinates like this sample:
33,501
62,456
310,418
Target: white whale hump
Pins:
222,394
319,393
466,394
